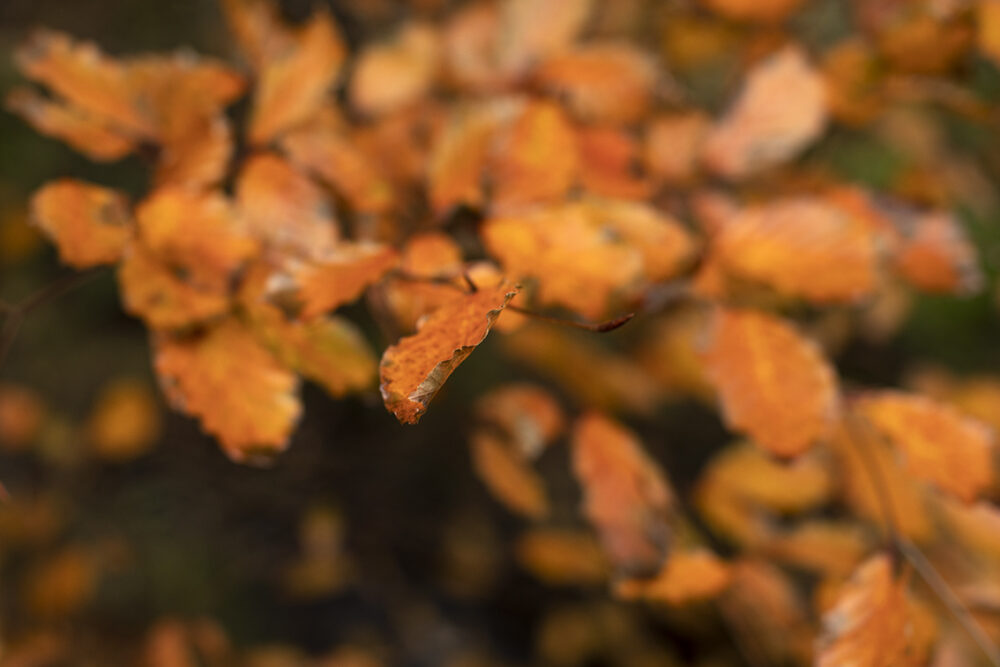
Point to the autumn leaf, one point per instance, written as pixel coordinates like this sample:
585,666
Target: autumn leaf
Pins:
686,576
530,30
528,415
626,497
340,276
534,159
605,82
154,291
125,421
284,208
869,625
237,389
456,167
96,139
293,82
780,111
953,452
766,11
431,255
200,234
414,369
773,383
89,224
831,548
611,164
390,75
507,475
802,247
673,145
936,256
562,556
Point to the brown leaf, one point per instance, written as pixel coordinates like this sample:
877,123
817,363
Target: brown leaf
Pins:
284,208
686,576
414,369
608,82
781,110
870,625
294,82
393,74
237,389
508,476
802,247
153,291
94,138
938,444
340,277
773,383
626,497
90,225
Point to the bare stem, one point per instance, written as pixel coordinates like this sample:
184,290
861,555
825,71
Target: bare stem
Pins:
596,327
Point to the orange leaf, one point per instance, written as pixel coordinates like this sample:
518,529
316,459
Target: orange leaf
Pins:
325,147
427,255
527,414
96,139
22,416
530,30
673,145
781,110
625,494
414,369
952,452
936,256
870,625
234,386
583,253
535,159
559,556
151,290
393,74
90,225
508,477
610,163
284,208
198,233
687,576
773,383
294,82
125,421
341,276
801,247
763,11
825,547
602,82
457,164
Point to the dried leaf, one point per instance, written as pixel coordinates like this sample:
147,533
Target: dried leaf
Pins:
340,277
939,445
625,494
606,82
95,139
284,209
534,160
527,414
395,73
199,234
610,163
125,421
508,477
870,625
687,576
936,256
562,557
90,225
781,110
802,247
153,291
294,82
773,383
414,369
237,389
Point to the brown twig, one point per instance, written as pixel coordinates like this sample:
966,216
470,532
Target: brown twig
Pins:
914,556
15,314
596,327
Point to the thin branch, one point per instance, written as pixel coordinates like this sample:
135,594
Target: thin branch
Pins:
944,592
15,314
596,327
914,556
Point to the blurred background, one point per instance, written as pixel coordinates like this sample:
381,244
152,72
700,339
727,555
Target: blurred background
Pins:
127,530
